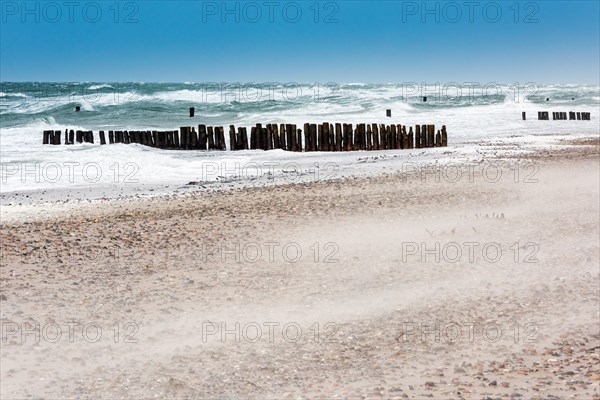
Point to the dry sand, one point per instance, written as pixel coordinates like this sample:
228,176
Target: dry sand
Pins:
350,295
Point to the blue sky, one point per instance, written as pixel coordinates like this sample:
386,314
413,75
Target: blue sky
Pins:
297,41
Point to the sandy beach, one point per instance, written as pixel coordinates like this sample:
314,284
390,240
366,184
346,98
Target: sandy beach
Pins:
473,283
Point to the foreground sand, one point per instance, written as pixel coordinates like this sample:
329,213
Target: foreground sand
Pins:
348,298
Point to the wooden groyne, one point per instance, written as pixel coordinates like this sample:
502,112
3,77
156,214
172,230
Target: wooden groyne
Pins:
560,115
314,137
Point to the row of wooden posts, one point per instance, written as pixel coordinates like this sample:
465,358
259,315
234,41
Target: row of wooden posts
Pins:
558,115
314,137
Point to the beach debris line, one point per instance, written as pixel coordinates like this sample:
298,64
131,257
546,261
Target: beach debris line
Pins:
559,115
314,137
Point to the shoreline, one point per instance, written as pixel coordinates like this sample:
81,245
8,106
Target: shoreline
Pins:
50,200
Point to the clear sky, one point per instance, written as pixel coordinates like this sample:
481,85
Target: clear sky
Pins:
298,41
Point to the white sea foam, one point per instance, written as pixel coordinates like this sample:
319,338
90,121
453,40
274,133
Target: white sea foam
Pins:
98,87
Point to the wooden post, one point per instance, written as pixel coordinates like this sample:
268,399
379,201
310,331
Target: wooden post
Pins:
388,113
307,137
102,138
401,140
363,137
326,137
193,138
438,139
211,138
232,141
253,138
245,138
285,133
382,137
259,137
291,137
402,137
431,136
270,137
411,142
444,136
46,139
192,112
331,137
155,139
126,137
202,136
571,115
268,133
111,137
578,116
176,139
338,136
392,139
319,137
239,139
264,137
220,138
55,137
417,136
276,138
150,139
298,138
222,142
312,137
404,143
375,137
184,136
369,145
281,135
524,115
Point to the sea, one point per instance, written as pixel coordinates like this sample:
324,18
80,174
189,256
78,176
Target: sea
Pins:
475,114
